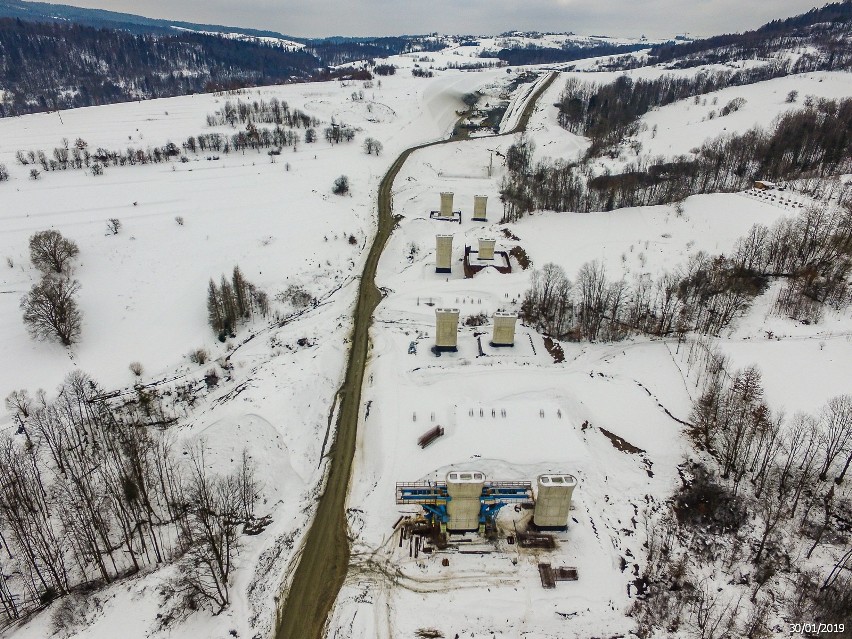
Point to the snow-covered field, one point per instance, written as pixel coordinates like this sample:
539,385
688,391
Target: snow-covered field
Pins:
511,413
143,292
676,129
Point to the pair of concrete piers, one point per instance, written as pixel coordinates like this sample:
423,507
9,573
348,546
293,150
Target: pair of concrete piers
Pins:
447,329
480,205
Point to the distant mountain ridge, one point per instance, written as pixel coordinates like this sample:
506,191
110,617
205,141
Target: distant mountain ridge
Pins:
58,65
60,57
102,18
827,29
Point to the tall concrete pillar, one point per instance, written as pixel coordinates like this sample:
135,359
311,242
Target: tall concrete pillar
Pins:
504,329
446,204
480,202
464,490
553,501
443,253
446,329
486,248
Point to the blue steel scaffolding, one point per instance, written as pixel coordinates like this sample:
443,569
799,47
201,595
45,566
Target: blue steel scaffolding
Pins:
433,497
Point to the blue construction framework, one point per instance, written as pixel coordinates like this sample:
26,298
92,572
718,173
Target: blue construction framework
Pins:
433,497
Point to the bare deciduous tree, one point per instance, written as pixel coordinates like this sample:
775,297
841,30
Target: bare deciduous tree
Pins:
372,145
219,506
50,310
51,252
837,432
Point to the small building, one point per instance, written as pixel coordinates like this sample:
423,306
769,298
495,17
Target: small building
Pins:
764,185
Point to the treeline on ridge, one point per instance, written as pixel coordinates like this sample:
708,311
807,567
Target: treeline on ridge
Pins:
568,52
815,141
825,29
812,253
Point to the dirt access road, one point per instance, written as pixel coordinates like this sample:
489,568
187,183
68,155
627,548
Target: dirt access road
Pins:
324,556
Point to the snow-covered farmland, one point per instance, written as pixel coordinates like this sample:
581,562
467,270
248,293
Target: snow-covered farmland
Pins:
143,293
611,414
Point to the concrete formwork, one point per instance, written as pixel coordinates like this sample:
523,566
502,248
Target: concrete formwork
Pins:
480,204
464,490
443,253
504,329
553,501
446,329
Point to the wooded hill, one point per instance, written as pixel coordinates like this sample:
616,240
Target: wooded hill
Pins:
826,29
52,65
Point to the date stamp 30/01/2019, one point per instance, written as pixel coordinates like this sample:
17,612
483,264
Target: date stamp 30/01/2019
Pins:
816,628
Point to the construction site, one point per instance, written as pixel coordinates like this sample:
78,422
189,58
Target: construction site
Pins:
492,481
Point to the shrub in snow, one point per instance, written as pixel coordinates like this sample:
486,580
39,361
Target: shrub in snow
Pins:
372,145
384,69
199,356
296,296
341,186
113,225
136,368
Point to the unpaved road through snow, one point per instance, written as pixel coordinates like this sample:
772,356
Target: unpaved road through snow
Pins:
325,553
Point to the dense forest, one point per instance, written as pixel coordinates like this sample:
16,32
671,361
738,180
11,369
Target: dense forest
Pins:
567,53
333,52
46,66
33,11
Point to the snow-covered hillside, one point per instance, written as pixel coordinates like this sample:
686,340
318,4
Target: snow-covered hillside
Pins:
143,293
617,415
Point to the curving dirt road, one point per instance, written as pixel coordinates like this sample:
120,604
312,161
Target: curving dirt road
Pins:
325,552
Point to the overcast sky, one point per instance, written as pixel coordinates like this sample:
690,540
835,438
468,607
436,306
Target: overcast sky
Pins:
654,18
